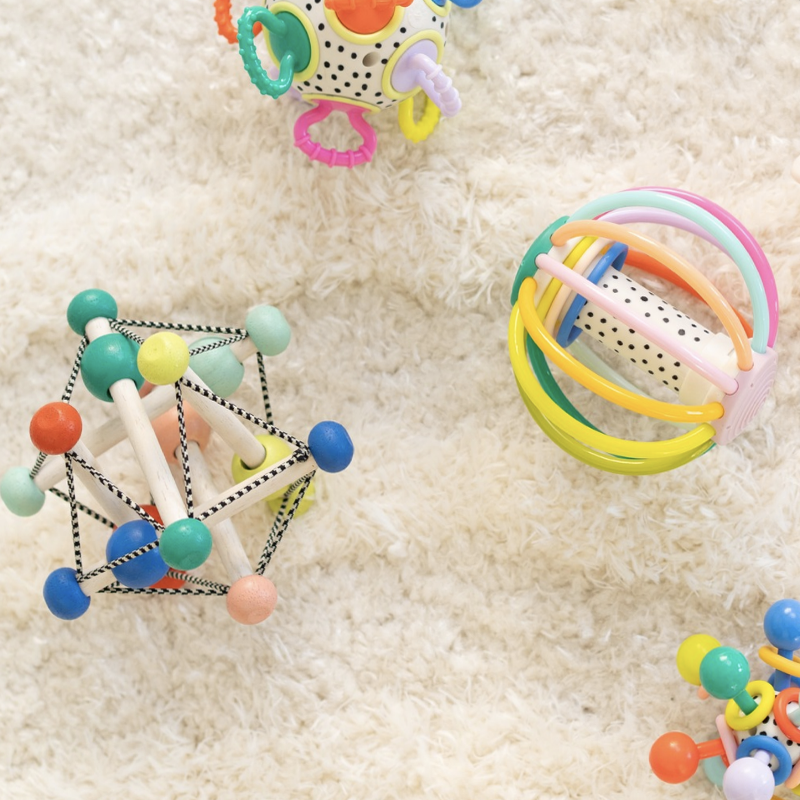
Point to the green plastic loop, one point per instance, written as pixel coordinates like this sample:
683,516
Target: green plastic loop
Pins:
289,42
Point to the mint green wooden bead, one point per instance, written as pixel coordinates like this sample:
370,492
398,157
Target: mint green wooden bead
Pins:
89,305
268,329
185,544
109,359
219,368
20,494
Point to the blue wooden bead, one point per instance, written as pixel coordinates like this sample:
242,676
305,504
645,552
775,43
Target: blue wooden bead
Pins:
20,494
186,544
108,359
89,305
219,368
331,446
268,329
63,595
144,570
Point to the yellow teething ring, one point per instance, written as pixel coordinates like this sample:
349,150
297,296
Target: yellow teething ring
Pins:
413,130
758,715
770,656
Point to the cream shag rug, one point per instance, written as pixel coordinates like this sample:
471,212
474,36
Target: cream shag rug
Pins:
468,613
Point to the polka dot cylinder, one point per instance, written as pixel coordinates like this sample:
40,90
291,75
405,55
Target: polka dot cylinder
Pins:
639,350
353,56
575,279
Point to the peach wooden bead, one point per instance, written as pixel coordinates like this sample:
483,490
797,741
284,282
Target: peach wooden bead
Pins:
168,434
252,599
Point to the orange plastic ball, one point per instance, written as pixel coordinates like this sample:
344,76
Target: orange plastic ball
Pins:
56,428
674,757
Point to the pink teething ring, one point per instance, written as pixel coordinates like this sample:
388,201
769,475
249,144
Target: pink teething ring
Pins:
331,156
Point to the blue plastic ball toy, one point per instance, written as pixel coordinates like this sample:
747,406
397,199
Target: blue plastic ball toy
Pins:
63,595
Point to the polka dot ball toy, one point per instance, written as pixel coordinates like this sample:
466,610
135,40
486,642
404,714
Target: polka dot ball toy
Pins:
575,281
353,56
169,395
757,746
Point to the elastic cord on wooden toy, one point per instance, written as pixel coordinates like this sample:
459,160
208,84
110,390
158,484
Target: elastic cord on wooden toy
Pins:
285,513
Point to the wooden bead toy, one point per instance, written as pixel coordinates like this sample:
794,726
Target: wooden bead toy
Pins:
352,56
168,422
758,747
575,282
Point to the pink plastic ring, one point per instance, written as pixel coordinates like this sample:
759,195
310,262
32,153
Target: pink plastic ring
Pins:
331,156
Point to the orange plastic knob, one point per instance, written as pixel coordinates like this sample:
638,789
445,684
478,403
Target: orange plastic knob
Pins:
674,757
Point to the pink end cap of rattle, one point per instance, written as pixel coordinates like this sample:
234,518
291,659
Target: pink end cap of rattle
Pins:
741,406
252,599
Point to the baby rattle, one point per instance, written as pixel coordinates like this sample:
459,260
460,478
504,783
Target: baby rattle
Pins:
574,280
758,742
168,421
353,56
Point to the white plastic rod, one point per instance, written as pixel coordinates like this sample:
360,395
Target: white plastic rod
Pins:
283,479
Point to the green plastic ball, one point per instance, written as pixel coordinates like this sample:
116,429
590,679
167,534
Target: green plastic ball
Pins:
89,305
163,358
268,329
219,368
20,494
724,672
185,544
109,359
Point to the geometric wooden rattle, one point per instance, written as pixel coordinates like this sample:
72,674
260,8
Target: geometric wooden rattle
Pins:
169,396
350,56
575,281
758,744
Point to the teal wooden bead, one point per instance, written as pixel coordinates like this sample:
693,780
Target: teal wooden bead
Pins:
185,544
268,329
724,672
20,494
219,368
89,305
109,359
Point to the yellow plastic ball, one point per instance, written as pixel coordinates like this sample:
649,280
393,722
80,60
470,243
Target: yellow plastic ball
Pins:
163,358
277,449
691,652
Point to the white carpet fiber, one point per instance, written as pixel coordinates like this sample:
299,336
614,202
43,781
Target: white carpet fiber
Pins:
468,612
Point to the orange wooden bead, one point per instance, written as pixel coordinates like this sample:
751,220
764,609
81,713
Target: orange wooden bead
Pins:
56,428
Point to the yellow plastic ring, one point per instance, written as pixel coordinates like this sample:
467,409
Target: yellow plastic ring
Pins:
733,714
770,656
656,409
413,130
313,62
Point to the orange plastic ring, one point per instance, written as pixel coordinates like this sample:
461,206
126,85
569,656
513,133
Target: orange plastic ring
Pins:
782,700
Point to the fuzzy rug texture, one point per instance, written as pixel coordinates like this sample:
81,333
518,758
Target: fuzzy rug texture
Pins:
468,612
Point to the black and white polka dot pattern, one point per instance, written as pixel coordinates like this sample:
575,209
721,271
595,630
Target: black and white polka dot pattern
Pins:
622,339
352,72
770,728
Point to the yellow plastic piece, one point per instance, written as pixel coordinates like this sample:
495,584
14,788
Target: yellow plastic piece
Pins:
364,38
413,130
163,358
733,715
277,449
677,265
584,442
570,261
769,655
691,652
656,409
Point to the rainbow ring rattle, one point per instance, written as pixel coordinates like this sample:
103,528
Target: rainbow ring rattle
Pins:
571,281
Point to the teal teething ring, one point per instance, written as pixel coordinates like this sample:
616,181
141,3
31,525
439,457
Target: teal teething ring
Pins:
289,42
